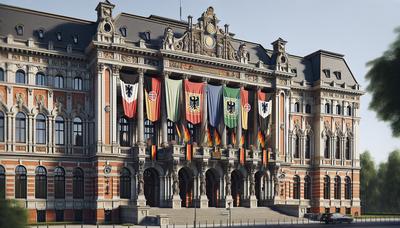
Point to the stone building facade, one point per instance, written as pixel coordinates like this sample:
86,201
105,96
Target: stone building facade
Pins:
68,153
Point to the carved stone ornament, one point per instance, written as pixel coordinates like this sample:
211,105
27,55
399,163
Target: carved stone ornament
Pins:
107,169
20,99
168,41
39,101
243,54
58,104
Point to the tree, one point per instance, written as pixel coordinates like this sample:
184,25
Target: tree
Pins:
12,215
368,181
383,80
391,192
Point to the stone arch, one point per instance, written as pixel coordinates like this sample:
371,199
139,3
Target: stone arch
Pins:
213,190
237,188
186,186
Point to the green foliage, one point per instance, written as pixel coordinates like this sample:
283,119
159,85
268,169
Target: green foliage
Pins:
380,189
383,80
12,215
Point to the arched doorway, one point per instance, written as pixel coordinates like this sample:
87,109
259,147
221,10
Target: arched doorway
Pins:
260,186
237,187
152,187
212,185
185,187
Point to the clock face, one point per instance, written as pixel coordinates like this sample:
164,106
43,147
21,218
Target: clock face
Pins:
210,29
209,42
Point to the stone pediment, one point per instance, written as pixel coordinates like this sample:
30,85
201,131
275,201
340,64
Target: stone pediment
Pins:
206,38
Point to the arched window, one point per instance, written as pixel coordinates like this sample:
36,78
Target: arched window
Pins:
2,133
347,188
124,135
78,184
78,132
20,77
337,187
125,184
20,128
78,83
296,107
149,132
338,109
40,79
2,182
327,108
59,82
20,182
308,147
327,187
349,110
40,183
40,129
308,108
297,147
327,145
347,150
337,151
59,130
1,74
307,187
296,187
59,183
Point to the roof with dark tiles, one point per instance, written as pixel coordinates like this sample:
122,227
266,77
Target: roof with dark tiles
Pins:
309,68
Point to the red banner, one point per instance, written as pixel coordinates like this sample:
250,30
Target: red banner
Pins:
194,94
241,155
153,152
189,152
153,98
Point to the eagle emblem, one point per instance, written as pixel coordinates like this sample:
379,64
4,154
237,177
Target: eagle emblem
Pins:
230,105
128,90
264,106
194,102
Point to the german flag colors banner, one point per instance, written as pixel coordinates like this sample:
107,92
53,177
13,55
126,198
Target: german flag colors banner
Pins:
153,98
231,106
173,90
264,110
129,94
153,152
245,101
264,157
188,152
241,151
194,95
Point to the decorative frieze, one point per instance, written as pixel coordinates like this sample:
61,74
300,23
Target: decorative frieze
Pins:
202,69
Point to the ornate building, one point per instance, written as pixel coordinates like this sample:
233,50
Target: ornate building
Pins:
67,152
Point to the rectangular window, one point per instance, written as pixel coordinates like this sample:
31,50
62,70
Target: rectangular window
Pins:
337,210
150,132
59,215
41,215
2,186
20,130
171,131
348,211
40,132
1,127
59,128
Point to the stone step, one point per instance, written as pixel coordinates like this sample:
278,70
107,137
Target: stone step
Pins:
217,215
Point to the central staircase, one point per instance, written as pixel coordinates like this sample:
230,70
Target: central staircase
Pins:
217,215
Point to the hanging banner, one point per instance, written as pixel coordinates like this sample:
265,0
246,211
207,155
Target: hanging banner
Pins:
194,93
264,110
241,154
231,106
173,90
129,94
188,152
265,158
153,98
214,106
153,152
261,139
217,138
246,101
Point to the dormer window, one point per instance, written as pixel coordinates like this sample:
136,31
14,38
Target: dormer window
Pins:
59,36
40,33
327,73
338,74
75,39
123,31
20,30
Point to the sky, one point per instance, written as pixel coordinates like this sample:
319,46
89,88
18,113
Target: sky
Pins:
360,29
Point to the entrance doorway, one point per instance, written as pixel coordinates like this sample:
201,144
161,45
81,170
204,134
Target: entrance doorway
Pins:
212,185
185,187
237,187
260,187
152,187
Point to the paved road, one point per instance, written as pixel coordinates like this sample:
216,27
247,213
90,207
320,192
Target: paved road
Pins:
353,225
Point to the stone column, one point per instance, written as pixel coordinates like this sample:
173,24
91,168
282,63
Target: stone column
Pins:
203,200
31,132
253,198
164,120
228,195
140,123
141,199
113,105
204,122
176,200
50,134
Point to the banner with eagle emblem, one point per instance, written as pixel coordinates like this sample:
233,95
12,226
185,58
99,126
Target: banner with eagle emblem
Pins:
214,107
129,94
231,106
264,110
194,95
173,90
152,94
